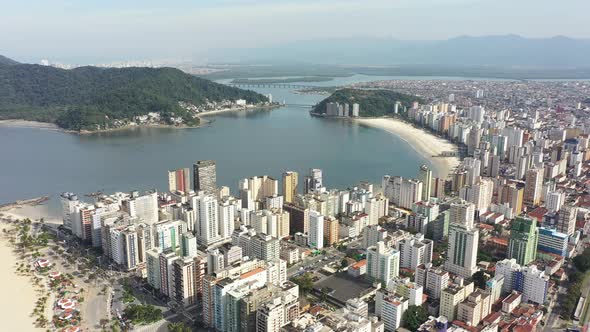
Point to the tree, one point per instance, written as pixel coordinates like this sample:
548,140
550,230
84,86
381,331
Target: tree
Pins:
440,247
143,314
343,263
483,256
99,97
582,262
103,322
576,277
372,102
498,228
178,327
305,282
414,317
479,279
325,291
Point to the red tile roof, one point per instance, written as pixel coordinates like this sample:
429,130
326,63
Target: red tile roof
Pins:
359,264
499,241
251,273
538,213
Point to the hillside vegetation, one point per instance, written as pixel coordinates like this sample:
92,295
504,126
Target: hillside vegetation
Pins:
90,98
373,103
6,61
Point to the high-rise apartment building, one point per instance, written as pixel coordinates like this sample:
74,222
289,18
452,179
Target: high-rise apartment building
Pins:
480,194
167,258
382,262
566,223
415,251
188,245
331,229
475,307
402,192
529,280
425,176
205,177
70,206
207,211
452,296
290,185
316,230
144,207
554,200
533,186
462,213
259,187
552,241
373,234
512,195
179,180
314,181
463,241
185,277
265,247
167,234
433,280
524,237
392,311
376,207
298,218
226,215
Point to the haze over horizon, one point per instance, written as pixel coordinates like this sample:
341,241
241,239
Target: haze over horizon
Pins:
201,31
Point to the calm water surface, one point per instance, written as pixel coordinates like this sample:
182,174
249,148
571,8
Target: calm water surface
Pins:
36,162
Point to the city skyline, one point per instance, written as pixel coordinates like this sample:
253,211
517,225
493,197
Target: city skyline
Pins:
295,166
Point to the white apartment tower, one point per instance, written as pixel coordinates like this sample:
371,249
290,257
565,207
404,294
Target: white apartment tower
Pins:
207,228
316,230
554,200
415,251
382,262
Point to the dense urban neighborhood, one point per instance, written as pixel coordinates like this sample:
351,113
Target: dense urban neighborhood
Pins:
497,244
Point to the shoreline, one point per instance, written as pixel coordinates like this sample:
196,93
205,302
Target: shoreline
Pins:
420,140
238,109
128,127
21,123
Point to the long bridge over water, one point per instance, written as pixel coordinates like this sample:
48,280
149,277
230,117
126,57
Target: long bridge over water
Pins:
273,85
277,86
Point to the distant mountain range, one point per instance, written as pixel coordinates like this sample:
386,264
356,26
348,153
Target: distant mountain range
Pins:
504,50
91,98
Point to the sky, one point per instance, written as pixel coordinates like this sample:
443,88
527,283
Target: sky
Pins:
85,31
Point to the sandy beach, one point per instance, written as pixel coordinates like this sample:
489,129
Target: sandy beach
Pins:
33,212
16,312
28,124
18,293
420,140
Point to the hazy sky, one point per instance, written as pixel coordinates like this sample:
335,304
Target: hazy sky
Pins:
92,30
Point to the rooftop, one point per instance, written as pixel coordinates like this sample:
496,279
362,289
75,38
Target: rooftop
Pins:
251,273
343,287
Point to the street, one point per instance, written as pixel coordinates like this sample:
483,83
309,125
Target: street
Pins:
316,262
